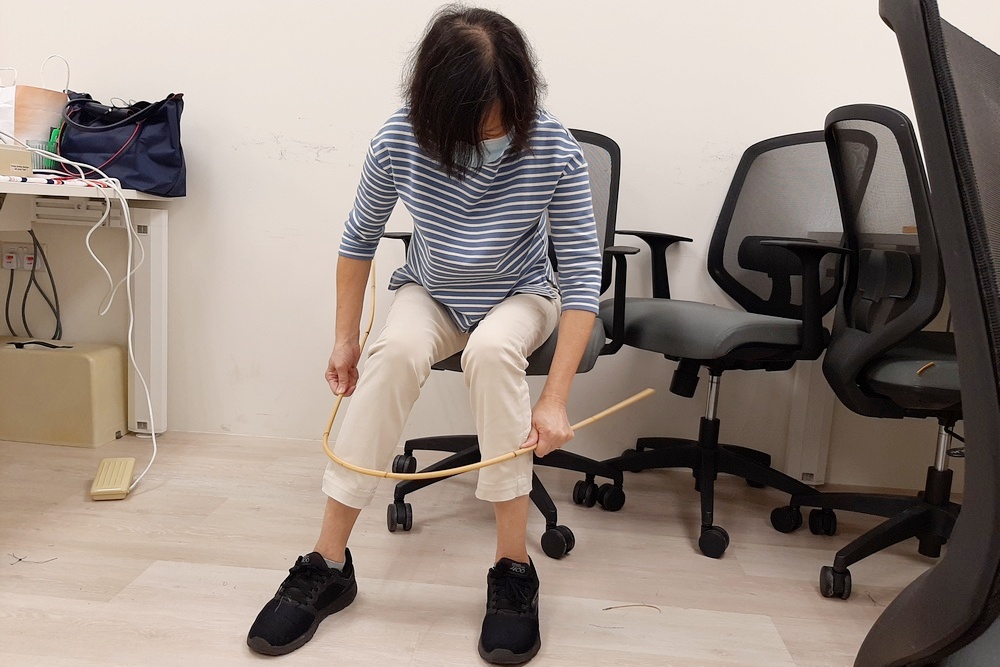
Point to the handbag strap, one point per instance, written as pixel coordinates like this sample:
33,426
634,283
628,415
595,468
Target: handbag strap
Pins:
137,117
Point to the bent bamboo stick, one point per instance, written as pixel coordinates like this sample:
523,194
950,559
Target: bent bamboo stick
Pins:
472,466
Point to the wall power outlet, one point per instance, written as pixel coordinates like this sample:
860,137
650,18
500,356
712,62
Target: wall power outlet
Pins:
19,256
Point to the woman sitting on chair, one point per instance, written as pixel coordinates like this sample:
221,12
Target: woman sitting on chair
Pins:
490,180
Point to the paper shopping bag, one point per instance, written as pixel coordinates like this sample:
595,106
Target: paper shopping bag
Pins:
6,107
29,112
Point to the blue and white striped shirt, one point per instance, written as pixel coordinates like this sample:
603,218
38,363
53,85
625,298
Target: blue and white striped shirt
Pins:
476,242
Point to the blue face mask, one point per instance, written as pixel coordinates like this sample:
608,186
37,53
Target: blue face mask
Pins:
493,149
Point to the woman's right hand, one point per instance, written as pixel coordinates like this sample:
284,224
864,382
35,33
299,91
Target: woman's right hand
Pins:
342,369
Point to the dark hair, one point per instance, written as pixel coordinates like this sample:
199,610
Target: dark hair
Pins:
467,60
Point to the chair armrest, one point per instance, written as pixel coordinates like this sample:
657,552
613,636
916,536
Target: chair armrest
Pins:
802,247
658,243
621,250
616,255
810,254
647,235
402,236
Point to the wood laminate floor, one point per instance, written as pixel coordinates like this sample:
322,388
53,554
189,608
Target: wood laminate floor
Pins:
175,573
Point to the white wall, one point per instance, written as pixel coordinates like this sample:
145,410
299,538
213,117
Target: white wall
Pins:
282,99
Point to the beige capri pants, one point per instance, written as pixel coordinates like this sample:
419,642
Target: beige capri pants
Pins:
419,332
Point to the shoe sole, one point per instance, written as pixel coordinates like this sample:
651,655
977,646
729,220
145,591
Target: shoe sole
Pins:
502,656
261,645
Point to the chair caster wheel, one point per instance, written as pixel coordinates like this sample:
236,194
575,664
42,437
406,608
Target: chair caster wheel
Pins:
404,463
399,514
755,485
823,522
713,541
786,519
585,493
833,584
558,541
611,497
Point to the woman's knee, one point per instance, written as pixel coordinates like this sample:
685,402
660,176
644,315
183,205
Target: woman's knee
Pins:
402,349
493,351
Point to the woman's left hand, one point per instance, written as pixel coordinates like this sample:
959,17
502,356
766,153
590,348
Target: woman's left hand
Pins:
550,427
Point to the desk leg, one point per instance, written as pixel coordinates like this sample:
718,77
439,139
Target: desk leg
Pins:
149,292
810,424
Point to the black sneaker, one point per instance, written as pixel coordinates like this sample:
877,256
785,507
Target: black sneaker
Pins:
510,628
311,592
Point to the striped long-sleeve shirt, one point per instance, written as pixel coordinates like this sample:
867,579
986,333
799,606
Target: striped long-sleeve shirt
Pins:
479,240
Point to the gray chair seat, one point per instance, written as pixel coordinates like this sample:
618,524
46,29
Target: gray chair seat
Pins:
540,360
694,330
897,374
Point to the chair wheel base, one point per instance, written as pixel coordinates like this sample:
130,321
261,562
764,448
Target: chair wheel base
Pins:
629,453
558,541
713,541
611,497
585,493
833,584
399,514
786,519
404,463
823,522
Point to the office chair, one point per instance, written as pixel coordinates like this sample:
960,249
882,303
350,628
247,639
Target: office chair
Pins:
604,159
879,361
766,255
947,616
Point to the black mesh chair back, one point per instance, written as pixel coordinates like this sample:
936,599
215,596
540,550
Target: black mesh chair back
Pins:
955,85
894,283
604,165
783,188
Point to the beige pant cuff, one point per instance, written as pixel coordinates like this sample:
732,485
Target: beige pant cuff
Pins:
499,493
344,492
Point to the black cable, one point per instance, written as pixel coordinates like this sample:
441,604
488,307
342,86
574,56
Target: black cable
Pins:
6,308
56,310
33,281
955,435
24,310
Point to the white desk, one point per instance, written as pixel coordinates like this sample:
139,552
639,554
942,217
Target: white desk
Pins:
80,205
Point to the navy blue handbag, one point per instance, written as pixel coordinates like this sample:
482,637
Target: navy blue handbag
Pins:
139,144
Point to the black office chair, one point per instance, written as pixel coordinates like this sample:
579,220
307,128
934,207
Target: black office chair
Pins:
767,255
948,615
880,362
604,160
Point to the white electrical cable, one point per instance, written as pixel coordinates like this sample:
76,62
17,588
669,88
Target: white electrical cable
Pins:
101,185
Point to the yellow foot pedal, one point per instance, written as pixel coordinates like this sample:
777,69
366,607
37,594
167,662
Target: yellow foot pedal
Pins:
114,476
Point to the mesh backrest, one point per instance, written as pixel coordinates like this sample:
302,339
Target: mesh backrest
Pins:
969,87
604,166
894,275
599,163
955,86
783,188
975,70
